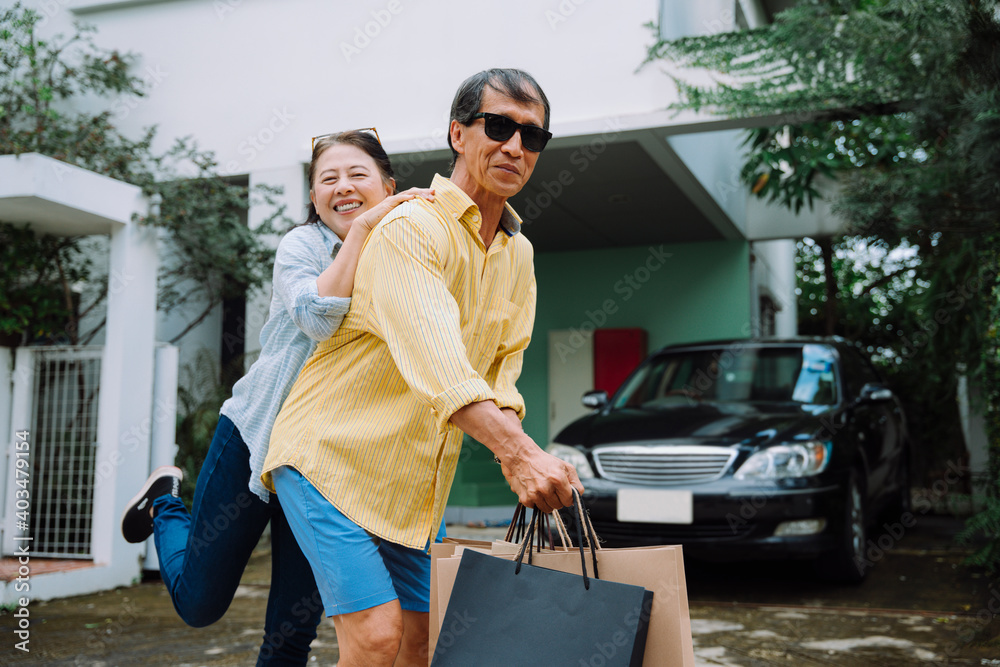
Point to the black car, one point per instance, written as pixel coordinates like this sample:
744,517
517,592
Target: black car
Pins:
746,449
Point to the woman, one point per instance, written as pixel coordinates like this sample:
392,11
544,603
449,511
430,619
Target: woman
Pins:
203,554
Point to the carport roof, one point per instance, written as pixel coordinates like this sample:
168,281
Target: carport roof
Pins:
574,201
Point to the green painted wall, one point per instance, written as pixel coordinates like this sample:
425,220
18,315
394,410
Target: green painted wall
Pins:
677,293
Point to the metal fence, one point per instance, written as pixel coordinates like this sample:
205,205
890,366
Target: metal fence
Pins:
64,430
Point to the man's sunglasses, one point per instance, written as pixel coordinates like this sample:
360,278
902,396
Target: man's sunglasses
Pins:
371,130
501,128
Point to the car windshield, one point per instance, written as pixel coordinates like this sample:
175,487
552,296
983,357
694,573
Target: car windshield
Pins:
802,374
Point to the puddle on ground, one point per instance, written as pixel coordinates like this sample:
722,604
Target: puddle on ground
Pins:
701,626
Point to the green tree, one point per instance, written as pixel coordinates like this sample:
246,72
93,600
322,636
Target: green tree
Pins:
36,302
48,90
898,101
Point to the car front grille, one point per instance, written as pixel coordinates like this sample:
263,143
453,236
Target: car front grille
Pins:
663,464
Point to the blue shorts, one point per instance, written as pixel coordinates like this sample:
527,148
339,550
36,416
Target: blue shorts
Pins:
354,570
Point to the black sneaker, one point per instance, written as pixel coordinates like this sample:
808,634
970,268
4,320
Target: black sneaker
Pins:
137,525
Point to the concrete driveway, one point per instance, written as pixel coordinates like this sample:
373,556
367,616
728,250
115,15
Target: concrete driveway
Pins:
919,606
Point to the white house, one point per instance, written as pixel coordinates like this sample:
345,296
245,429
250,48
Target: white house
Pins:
636,214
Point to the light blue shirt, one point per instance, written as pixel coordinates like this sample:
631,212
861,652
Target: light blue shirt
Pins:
299,318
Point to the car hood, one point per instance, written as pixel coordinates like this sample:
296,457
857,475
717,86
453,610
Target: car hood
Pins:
706,423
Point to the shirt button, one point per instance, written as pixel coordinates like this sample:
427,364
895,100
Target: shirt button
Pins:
475,218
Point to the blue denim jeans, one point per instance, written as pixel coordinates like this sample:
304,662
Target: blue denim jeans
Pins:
203,554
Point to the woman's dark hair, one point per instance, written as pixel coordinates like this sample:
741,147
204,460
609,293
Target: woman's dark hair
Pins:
362,139
514,83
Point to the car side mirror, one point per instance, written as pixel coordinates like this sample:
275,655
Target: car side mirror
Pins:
596,399
875,393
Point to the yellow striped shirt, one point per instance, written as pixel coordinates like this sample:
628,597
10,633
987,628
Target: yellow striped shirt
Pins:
437,322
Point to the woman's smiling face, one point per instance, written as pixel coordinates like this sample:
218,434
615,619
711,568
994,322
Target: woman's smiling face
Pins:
347,184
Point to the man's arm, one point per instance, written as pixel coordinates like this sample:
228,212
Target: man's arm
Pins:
419,320
538,478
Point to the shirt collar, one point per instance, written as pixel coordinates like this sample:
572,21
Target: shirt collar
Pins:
457,204
330,238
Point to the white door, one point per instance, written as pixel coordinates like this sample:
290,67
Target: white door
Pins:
571,374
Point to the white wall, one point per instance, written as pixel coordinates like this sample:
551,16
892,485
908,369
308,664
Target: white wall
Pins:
255,79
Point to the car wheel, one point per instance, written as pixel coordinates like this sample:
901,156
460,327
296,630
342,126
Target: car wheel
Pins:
847,563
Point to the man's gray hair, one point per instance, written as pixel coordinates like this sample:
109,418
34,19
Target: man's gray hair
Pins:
514,83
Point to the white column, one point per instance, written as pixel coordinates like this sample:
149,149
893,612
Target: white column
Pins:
971,412
787,320
163,445
125,423
754,12
296,198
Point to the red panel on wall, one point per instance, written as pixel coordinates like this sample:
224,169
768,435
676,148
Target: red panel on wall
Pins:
616,354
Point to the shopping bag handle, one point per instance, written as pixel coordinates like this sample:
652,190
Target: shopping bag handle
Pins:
567,543
582,520
518,527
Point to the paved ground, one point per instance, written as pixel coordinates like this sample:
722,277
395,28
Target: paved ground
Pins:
920,606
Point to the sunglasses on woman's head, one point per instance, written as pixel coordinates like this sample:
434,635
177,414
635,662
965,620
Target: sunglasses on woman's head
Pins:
331,134
501,128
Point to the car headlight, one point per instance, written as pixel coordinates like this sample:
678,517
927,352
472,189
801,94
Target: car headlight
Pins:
574,457
800,459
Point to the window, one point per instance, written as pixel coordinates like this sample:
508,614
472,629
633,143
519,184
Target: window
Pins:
805,374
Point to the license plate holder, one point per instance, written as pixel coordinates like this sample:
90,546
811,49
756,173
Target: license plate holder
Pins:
675,506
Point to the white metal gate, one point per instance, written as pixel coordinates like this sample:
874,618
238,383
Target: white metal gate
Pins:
64,391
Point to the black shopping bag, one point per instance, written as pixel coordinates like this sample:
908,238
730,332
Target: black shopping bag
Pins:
505,613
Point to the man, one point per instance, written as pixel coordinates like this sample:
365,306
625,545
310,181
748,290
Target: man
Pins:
364,451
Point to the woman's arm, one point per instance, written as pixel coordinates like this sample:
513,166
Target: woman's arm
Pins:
317,299
299,260
338,278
